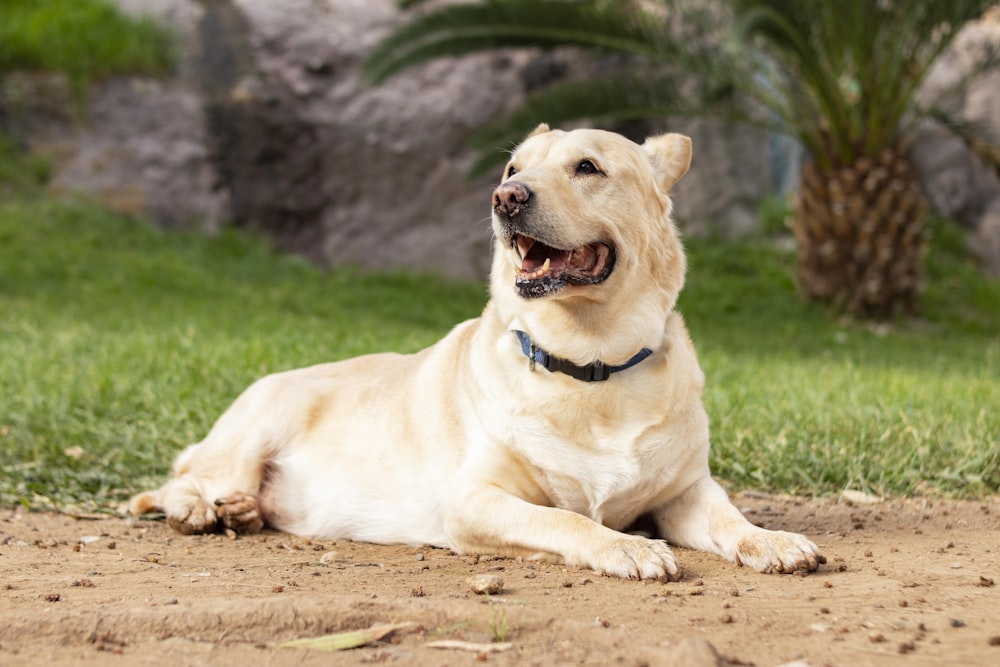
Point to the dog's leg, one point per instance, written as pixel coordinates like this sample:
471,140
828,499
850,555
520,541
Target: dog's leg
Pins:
704,518
489,520
218,479
201,495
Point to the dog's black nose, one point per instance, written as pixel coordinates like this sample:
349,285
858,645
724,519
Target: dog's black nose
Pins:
510,198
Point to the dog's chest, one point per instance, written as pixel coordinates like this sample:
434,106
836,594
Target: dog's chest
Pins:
608,470
610,490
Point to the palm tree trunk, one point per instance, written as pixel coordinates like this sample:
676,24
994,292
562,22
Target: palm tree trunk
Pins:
860,236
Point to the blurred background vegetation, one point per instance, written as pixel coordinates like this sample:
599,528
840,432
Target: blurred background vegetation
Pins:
82,39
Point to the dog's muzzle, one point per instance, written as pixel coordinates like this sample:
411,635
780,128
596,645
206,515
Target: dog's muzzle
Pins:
542,269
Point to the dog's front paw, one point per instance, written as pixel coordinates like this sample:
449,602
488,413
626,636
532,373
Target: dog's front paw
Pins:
778,551
239,512
191,517
633,557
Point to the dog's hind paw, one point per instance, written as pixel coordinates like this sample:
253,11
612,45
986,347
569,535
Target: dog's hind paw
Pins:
633,557
240,512
778,552
192,517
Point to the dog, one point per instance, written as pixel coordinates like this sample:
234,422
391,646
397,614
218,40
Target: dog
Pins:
541,429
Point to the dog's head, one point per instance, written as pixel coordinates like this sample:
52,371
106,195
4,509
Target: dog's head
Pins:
585,215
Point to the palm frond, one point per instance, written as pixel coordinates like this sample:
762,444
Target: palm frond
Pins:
461,29
809,78
841,75
624,96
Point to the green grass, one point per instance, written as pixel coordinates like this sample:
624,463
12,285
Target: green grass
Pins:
121,344
83,39
806,402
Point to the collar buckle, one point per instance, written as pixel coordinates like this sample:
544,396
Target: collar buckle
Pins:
597,372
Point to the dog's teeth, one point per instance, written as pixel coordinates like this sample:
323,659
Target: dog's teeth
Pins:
537,273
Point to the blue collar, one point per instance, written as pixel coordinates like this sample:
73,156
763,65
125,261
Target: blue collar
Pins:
596,371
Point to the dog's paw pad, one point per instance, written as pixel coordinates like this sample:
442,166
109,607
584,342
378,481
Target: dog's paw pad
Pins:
240,512
778,552
192,518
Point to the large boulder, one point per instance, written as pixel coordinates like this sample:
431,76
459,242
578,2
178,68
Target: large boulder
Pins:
957,182
267,125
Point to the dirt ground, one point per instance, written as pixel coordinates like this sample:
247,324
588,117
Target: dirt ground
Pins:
906,583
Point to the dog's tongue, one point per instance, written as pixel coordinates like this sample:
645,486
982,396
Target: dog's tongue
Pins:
586,259
541,253
539,259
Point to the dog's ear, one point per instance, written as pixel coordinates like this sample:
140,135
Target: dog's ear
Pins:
671,157
541,129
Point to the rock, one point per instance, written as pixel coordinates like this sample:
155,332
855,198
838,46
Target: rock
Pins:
485,584
985,240
730,173
267,125
693,652
332,557
955,180
853,497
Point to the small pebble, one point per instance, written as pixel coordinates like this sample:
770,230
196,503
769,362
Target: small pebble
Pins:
956,622
485,584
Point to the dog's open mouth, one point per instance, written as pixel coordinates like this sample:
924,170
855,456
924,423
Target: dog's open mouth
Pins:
544,270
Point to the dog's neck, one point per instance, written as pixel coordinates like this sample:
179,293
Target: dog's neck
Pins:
595,371
584,332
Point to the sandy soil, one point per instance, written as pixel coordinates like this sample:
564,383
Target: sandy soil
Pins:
906,583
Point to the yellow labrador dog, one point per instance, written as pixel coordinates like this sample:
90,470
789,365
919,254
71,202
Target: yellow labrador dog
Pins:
541,429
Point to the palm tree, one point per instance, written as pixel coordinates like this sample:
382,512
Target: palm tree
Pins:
839,75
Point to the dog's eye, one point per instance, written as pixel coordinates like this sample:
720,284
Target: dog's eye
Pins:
511,170
587,167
